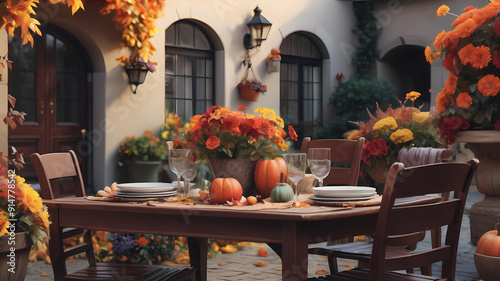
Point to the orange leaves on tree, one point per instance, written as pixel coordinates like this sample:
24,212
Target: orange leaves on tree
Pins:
135,19
18,14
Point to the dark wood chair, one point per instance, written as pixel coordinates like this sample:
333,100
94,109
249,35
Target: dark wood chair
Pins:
59,176
400,220
400,244
345,157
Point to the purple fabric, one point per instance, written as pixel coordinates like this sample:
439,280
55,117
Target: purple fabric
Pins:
417,156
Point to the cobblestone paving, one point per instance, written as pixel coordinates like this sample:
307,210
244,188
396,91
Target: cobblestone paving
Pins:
240,265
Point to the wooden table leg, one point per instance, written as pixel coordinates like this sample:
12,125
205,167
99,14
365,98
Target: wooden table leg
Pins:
294,253
56,250
198,250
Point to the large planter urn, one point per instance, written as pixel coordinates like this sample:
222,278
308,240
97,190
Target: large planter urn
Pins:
14,256
240,169
143,171
486,147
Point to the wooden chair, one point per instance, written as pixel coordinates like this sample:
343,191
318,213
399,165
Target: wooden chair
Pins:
400,220
59,176
343,152
361,251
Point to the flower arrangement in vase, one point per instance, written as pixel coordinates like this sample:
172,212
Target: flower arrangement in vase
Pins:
223,133
387,132
471,53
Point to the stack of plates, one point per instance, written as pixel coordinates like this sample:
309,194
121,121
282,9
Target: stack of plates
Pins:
145,190
342,193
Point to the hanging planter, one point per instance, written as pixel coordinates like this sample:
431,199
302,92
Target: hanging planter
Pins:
250,89
273,61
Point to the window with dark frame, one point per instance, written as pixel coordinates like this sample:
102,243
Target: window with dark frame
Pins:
301,84
189,69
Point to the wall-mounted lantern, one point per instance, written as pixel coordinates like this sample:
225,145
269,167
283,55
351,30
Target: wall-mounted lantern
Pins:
259,29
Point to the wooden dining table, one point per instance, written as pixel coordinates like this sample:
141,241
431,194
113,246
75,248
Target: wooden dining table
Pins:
292,228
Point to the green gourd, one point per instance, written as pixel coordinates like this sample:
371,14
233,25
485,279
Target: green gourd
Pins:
282,192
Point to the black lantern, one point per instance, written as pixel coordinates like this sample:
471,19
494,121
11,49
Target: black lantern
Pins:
136,75
259,29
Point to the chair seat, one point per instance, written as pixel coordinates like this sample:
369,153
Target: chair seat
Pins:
111,271
360,274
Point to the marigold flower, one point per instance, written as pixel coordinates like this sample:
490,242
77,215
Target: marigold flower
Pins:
292,133
468,8
439,40
451,84
421,117
478,57
489,85
428,55
386,124
413,95
401,136
466,28
443,10
480,16
464,100
213,142
463,17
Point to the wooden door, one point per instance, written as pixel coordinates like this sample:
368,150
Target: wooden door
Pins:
49,84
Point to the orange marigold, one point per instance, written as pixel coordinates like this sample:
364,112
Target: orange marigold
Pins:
443,10
489,85
464,100
413,95
450,40
439,40
465,53
463,17
466,28
428,55
481,57
484,14
441,101
468,8
451,83
213,142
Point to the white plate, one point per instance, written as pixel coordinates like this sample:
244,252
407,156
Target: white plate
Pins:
145,187
344,191
146,195
340,199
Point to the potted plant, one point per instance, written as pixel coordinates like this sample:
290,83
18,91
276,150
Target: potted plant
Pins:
250,89
142,156
388,132
273,61
24,221
233,141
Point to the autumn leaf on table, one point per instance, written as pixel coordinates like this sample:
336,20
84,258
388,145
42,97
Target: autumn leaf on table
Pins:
260,264
321,271
262,252
228,249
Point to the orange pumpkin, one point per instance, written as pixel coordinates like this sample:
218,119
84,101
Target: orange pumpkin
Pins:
267,175
489,243
225,189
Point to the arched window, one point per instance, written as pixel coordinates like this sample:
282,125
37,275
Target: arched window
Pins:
301,82
189,69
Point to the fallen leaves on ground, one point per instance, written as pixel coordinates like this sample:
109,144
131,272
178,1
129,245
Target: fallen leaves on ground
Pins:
262,252
260,264
228,249
221,263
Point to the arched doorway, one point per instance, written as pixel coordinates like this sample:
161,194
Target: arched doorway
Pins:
51,82
405,66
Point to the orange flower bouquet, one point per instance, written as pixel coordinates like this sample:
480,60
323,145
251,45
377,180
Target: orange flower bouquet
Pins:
471,53
226,134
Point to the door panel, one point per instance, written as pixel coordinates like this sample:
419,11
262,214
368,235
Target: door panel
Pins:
48,82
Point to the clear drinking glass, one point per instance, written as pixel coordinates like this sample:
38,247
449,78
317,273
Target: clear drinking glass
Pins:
296,164
178,160
188,175
319,162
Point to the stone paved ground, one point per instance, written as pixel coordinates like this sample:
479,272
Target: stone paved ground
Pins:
240,265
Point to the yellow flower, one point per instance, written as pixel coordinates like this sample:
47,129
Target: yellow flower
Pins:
412,95
401,136
278,120
421,117
4,223
165,134
443,10
386,124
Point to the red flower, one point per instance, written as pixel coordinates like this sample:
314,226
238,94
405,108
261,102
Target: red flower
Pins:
377,148
242,108
449,125
496,58
231,124
143,241
497,26
292,133
213,142
497,125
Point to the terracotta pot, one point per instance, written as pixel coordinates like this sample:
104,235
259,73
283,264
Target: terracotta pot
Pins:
13,264
380,170
240,169
246,93
487,267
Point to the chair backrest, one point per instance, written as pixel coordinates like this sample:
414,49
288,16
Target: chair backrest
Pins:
59,174
346,153
399,220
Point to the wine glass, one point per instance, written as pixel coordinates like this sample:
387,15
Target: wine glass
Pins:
296,164
319,162
178,160
189,175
